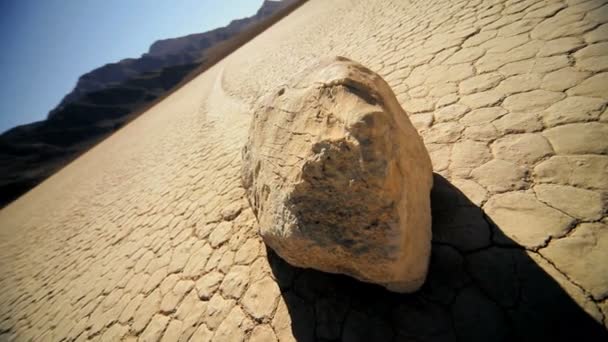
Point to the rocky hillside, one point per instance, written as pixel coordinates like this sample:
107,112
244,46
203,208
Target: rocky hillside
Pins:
106,98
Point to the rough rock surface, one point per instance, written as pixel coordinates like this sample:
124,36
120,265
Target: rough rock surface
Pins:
339,179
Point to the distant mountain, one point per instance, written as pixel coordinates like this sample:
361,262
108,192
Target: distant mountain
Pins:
106,98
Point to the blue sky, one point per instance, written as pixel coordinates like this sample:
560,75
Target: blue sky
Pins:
48,44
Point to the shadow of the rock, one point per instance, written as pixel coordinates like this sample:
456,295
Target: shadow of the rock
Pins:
475,291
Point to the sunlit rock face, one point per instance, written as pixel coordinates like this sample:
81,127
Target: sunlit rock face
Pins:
338,177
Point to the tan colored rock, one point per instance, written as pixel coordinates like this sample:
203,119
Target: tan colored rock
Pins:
526,220
586,171
580,203
584,250
500,176
525,148
579,138
339,178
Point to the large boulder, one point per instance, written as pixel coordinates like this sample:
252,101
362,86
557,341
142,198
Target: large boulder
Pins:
339,179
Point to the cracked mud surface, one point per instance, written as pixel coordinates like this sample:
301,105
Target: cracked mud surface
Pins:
148,236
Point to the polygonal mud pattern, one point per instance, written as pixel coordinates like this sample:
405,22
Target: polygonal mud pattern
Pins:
138,237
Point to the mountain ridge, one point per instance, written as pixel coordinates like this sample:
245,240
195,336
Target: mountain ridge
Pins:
106,98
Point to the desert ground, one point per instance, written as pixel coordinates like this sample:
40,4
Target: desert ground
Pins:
148,235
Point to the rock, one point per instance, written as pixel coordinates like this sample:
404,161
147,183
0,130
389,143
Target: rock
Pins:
339,179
